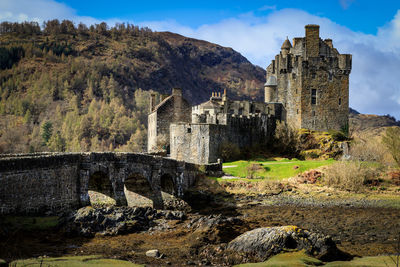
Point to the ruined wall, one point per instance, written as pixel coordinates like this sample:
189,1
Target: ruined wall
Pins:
172,109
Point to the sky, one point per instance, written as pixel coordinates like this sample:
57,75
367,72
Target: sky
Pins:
367,29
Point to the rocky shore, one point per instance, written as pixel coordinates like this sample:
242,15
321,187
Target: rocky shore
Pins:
219,230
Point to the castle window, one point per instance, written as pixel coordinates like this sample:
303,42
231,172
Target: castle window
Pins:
297,111
340,101
313,96
294,75
313,75
330,76
313,113
189,130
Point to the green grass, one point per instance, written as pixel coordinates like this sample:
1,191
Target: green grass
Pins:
30,223
300,259
275,170
73,261
293,259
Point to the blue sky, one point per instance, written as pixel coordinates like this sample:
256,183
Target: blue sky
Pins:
359,15
369,30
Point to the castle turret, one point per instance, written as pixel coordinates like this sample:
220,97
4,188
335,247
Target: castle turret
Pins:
270,89
285,49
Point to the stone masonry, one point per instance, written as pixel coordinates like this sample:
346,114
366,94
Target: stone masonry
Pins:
307,86
171,109
311,80
41,183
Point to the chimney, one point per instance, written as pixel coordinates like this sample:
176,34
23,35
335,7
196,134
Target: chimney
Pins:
312,40
177,91
329,42
152,102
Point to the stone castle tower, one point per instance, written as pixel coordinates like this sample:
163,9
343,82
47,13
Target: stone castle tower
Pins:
311,80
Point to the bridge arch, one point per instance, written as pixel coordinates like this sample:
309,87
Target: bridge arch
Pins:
100,188
138,190
167,184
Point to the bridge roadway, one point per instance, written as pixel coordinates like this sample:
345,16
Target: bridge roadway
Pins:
51,182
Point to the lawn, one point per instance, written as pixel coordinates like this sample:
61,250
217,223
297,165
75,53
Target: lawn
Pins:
29,223
274,169
300,259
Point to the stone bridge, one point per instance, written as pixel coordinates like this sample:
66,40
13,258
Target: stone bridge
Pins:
52,182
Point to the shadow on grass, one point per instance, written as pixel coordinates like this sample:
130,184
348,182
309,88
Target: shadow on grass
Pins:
23,237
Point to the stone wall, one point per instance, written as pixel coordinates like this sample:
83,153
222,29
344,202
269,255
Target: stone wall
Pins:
172,109
200,143
41,183
332,96
312,64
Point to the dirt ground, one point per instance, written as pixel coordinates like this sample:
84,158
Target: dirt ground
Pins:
360,231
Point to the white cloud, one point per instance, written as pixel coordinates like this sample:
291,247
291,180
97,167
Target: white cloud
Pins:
374,85
39,10
42,10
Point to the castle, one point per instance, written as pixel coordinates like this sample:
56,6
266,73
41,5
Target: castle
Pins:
307,86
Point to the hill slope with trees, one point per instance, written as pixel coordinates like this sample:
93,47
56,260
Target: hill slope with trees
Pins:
76,88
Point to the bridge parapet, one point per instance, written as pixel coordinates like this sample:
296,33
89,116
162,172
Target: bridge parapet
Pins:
52,182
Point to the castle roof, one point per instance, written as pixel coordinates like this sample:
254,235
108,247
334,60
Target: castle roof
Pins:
286,44
210,104
162,103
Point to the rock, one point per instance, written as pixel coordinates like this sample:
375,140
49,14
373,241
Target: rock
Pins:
216,228
262,243
153,253
89,221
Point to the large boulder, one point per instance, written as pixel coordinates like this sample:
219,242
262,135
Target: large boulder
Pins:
262,243
216,228
89,221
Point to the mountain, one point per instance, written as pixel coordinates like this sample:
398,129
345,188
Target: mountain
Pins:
368,122
79,88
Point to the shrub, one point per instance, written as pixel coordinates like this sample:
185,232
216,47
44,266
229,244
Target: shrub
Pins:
229,151
338,135
252,169
349,175
392,141
370,150
286,139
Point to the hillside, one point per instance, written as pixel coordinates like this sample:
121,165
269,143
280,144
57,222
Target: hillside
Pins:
369,126
79,88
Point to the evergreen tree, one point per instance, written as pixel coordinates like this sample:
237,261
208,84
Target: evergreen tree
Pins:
47,129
